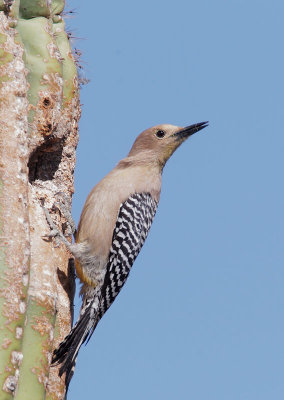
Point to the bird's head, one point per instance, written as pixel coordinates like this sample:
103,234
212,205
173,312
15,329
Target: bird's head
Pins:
157,144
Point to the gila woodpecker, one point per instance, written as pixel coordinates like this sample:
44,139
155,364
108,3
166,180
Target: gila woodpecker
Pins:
114,224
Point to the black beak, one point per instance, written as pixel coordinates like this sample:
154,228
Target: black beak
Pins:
184,133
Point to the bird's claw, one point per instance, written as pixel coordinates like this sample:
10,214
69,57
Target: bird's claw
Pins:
54,231
64,207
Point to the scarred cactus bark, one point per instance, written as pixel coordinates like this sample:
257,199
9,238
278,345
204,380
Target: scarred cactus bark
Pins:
38,136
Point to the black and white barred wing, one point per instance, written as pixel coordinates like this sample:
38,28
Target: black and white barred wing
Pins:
132,226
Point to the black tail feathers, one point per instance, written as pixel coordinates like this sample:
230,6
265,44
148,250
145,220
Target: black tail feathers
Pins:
66,353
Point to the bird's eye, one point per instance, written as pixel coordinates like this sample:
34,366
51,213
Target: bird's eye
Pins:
160,134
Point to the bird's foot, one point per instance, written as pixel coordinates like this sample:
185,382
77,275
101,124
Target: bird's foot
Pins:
54,231
64,205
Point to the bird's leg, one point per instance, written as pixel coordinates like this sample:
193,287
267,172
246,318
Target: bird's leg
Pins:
63,204
55,232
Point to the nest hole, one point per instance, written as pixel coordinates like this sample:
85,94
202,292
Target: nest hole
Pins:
44,162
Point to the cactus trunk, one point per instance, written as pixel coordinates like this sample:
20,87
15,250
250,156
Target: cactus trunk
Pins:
38,136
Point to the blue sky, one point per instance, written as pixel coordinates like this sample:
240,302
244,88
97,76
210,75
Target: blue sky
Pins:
201,315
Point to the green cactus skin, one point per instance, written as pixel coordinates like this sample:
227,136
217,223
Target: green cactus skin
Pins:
69,69
5,57
10,343
40,8
7,337
37,55
35,348
52,87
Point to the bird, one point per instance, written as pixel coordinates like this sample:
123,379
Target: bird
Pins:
113,226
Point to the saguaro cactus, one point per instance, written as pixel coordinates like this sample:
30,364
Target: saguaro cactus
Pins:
38,137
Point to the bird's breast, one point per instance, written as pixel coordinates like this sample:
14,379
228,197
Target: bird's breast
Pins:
101,209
